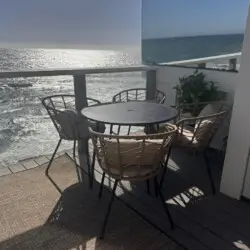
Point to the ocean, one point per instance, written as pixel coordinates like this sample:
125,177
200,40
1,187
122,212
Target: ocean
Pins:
183,48
25,128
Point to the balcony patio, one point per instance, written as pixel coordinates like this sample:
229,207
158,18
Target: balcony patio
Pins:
35,216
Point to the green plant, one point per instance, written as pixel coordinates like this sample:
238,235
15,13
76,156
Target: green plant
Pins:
195,89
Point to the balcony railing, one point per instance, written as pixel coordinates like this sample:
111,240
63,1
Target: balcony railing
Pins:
79,81
232,60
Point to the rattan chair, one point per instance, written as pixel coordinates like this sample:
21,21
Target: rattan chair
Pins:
132,158
136,94
70,127
190,110
198,137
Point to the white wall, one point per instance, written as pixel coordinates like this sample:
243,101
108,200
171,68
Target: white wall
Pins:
237,155
246,188
168,77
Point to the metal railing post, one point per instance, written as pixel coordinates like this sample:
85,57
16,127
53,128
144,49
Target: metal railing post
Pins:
80,103
151,84
202,65
232,64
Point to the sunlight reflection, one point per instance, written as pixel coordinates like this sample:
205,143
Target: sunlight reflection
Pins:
179,201
173,167
196,191
128,186
239,244
186,197
90,244
172,202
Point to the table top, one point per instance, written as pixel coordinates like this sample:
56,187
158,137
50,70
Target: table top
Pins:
130,113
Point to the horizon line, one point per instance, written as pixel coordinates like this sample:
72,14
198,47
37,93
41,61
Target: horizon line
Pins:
181,36
65,46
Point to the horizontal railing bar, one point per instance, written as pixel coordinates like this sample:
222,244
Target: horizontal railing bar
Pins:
203,59
79,71
100,70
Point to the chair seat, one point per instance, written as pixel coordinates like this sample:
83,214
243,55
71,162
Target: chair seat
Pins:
185,138
73,126
133,172
133,163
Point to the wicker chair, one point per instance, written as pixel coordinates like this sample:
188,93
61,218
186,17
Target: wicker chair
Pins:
70,127
198,137
190,110
136,94
132,158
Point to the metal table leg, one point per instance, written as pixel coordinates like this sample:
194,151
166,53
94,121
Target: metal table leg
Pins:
83,157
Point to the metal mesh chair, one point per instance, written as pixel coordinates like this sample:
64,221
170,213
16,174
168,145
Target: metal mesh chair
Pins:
69,125
132,158
136,94
199,136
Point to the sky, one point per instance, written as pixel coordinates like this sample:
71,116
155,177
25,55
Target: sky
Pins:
96,23
171,18
100,23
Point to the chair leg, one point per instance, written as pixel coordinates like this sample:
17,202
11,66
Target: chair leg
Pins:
93,169
165,167
89,164
129,127
74,158
157,127
111,129
118,129
101,186
209,172
165,206
49,165
108,211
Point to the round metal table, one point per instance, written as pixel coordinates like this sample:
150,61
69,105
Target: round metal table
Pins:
134,113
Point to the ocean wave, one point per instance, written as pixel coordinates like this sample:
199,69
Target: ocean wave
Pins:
20,85
11,110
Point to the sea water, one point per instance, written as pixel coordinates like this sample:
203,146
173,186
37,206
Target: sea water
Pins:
25,128
184,48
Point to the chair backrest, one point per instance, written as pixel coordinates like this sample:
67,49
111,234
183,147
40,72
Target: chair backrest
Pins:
204,130
196,109
138,94
62,112
132,157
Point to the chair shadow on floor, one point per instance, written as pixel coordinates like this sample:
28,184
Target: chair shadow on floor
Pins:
76,220
186,181
187,173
